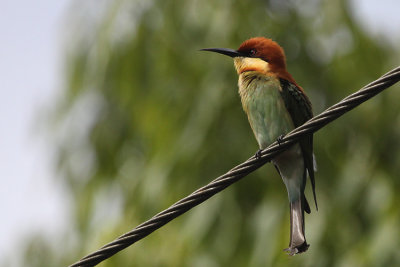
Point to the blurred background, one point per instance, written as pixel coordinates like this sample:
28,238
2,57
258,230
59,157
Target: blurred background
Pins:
111,114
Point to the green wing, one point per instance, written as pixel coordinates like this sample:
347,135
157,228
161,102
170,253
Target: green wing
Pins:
299,108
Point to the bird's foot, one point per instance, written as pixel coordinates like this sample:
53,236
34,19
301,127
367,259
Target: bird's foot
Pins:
293,250
279,139
258,154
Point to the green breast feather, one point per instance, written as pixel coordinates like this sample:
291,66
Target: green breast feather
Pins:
265,107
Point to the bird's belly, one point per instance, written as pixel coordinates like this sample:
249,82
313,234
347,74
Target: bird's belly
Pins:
267,114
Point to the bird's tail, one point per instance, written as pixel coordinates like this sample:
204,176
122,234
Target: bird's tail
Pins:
298,243
291,167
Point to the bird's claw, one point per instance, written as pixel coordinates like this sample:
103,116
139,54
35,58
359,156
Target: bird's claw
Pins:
279,139
258,154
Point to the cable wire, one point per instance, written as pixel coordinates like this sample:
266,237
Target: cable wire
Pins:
241,170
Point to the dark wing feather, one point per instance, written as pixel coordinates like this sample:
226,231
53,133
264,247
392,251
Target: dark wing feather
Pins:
299,107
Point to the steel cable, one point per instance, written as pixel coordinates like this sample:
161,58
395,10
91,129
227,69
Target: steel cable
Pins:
241,170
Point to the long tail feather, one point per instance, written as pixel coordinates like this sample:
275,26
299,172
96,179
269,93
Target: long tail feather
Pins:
298,243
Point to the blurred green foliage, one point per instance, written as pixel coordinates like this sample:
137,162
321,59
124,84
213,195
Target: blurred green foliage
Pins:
146,119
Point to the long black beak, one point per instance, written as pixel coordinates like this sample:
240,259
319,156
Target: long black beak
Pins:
224,51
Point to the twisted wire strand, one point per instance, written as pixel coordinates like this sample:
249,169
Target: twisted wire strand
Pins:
241,170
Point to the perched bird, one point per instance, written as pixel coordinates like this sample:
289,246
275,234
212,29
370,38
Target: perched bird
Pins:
275,104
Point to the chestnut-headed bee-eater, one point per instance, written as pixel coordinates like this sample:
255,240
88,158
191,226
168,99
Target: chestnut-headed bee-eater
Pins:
275,104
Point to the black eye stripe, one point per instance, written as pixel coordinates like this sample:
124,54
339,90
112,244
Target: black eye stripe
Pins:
253,53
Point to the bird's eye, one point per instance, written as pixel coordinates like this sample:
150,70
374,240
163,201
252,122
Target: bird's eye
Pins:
252,52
